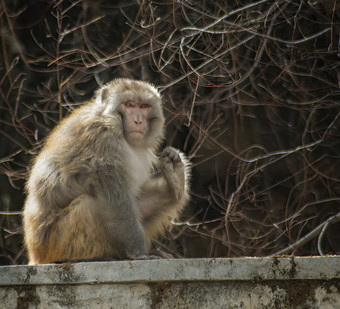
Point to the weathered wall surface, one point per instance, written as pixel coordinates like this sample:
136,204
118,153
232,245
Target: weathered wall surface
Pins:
309,282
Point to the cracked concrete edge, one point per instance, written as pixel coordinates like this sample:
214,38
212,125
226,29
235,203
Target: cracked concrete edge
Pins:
207,269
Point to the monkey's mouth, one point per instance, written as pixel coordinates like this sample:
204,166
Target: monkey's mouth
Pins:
136,134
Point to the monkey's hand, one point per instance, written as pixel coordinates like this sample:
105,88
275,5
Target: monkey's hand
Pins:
172,167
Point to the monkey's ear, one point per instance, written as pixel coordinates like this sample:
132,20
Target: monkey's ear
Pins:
102,96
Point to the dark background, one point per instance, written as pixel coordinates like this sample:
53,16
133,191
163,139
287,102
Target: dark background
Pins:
251,92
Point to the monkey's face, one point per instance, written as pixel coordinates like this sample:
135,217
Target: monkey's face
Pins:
135,117
140,106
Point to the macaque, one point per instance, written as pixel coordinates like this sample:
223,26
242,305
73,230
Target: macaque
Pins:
98,189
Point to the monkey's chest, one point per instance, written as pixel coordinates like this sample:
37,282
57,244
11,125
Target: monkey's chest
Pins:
140,168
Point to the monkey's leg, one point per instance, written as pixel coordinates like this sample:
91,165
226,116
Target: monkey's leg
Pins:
78,233
91,228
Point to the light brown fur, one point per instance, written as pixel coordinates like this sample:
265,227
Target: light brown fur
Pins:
92,194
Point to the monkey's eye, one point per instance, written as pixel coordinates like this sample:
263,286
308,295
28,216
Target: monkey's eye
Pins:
129,104
145,106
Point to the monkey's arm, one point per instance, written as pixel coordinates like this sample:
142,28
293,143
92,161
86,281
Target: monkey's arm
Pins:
121,219
66,199
113,201
163,198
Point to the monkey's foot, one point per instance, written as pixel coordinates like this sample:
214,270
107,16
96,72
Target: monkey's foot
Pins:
146,257
100,259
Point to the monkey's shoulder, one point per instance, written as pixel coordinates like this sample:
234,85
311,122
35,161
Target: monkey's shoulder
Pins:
85,125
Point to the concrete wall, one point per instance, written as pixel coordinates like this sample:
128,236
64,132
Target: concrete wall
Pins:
308,282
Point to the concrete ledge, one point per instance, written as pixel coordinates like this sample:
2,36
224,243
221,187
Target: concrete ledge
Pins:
219,269
303,282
